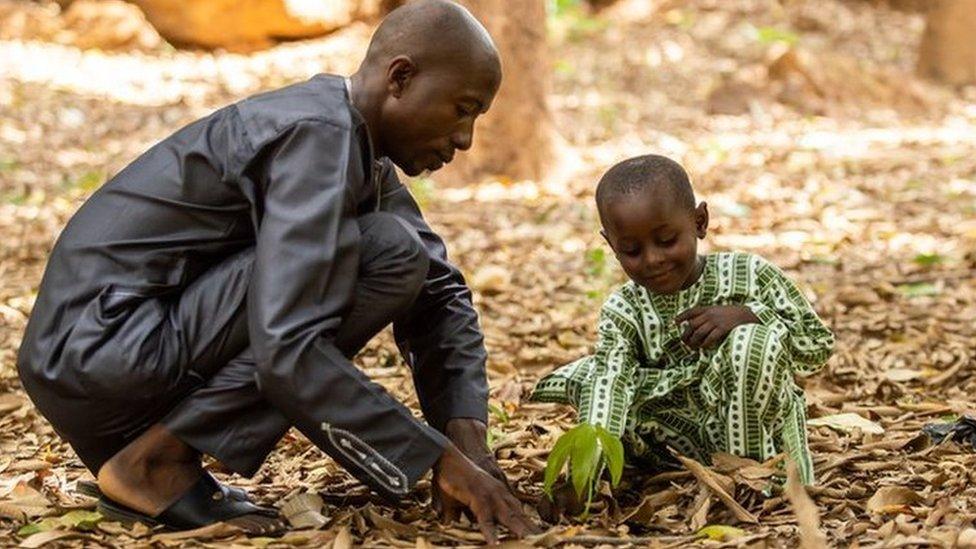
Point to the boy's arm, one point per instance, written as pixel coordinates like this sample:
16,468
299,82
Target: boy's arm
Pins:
782,307
608,390
439,336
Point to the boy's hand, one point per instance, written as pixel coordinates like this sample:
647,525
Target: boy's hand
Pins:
471,438
487,498
708,326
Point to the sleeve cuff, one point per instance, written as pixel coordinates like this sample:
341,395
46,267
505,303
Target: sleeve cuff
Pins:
420,456
446,408
766,315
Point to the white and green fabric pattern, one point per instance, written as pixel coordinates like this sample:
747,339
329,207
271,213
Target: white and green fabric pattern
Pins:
645,386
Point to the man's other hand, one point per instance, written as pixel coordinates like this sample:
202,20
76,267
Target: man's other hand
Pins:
488,499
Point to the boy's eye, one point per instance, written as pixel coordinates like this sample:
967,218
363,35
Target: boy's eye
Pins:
463,111
668,241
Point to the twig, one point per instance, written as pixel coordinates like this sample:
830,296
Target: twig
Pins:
705,476
678,541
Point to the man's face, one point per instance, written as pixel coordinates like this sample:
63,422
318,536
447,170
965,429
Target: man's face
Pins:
655,239
430,114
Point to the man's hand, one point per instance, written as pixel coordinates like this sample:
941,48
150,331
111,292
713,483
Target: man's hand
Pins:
708,326
471,439
488,499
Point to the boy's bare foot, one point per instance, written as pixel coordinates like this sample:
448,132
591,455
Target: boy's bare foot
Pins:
157,469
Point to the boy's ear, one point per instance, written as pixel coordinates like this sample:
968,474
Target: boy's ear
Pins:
399,75
701,220
606,239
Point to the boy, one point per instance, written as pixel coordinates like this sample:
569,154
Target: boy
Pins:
695,352
212,294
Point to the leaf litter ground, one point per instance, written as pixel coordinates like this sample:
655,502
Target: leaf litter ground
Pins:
860,182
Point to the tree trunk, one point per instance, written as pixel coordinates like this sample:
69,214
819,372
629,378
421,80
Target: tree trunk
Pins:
513,140
251,25
948,49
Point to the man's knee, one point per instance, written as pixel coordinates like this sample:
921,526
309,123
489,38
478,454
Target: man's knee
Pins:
391,250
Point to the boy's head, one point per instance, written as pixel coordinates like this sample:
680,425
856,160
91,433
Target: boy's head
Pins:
650,219
431,69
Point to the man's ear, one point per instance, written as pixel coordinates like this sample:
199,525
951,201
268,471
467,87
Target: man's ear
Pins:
701,220
399,75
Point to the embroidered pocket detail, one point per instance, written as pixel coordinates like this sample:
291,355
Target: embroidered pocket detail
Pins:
376,466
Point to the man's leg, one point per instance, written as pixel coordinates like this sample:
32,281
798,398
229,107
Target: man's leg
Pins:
228,418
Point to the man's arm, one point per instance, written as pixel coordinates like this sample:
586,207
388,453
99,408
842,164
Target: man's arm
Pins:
304,276
439,336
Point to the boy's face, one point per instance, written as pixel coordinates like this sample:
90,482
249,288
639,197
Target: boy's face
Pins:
655,239
429,115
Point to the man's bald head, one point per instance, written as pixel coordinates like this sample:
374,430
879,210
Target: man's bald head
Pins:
431,70
433,33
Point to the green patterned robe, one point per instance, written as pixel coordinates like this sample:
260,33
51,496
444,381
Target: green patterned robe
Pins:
645,386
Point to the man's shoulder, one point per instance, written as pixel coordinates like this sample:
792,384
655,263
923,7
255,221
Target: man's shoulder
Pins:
320,99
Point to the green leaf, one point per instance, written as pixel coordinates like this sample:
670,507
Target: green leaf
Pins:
499,413
81,520
596,261
585,458
771,35
613,453
927,260
918,289
720,532
557,459
422,189
50,523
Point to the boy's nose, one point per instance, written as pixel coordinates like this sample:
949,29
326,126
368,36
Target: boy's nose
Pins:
652,259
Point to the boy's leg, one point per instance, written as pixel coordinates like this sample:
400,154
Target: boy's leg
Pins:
761,415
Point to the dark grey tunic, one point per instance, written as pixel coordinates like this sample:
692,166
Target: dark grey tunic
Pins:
286,173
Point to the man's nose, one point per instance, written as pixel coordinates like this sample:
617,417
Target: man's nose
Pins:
463,137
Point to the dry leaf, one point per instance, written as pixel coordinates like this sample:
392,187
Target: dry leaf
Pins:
385,523
807,516
893,500
847,422
491,279
25,502
343,539
709,478
211,531
966,539
10,402
699,508
42,538
304,510
648,506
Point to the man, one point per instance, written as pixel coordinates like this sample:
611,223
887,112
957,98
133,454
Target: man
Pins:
212,293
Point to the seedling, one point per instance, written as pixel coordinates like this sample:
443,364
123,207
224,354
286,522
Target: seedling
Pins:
586,449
